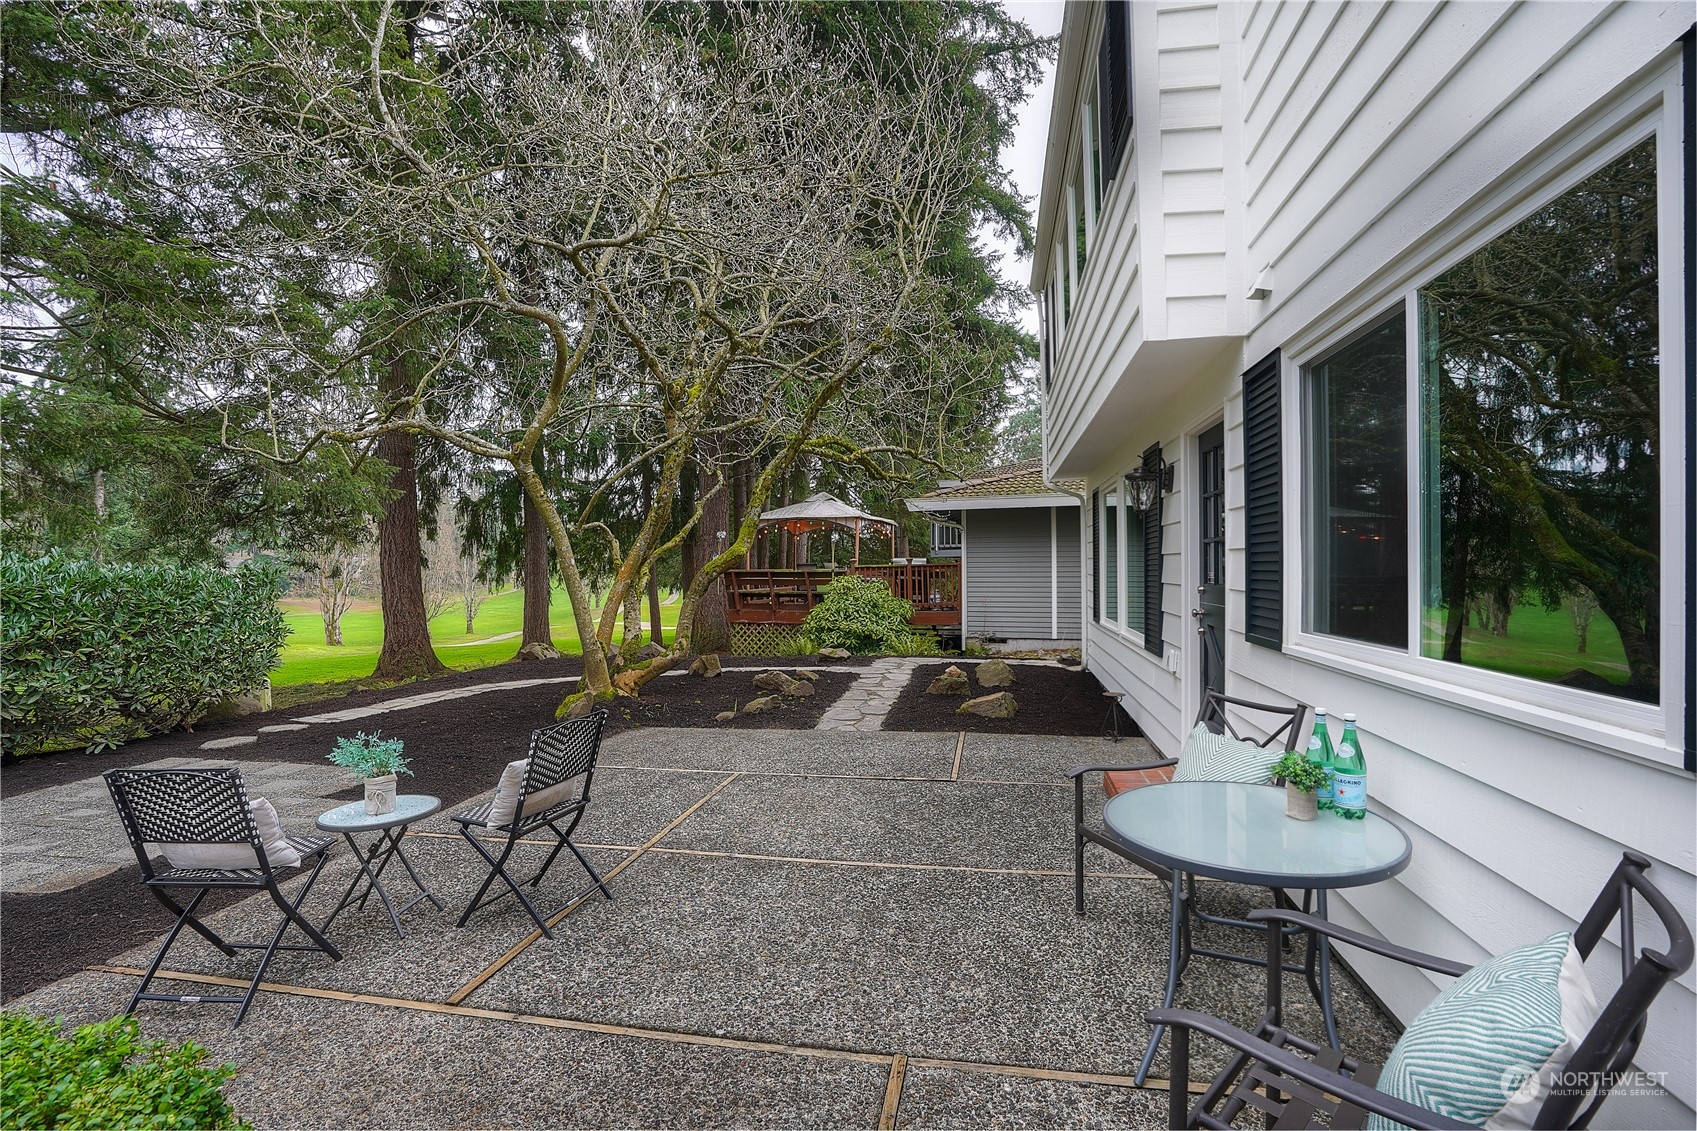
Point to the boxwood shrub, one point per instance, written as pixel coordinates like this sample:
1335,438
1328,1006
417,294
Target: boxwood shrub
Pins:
105,1075
860,614
94,655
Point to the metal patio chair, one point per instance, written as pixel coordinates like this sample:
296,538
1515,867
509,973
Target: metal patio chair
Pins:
1286,727
558,755
1294,1081
208,810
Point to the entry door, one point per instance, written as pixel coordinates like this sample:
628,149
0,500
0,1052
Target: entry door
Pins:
1210,610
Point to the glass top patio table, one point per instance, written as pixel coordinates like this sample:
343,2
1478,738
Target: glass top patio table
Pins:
1238,832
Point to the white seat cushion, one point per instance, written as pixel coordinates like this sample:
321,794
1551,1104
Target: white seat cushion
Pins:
501,809
1219,757
279,853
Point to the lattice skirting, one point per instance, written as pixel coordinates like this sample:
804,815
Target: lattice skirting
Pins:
763,639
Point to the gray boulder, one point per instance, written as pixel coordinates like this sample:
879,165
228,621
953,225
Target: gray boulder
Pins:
798,689
772,681
537,651
724,716
705,666
809,676
995,673
758,706
1000,705
834,653
953,681
650,651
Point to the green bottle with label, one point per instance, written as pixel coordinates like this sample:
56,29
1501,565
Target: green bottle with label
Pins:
1320,754
1349,775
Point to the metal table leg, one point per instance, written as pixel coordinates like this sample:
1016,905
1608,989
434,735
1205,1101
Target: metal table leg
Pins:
1323,946
385,848
1175,960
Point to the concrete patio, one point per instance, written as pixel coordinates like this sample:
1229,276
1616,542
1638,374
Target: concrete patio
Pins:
811,928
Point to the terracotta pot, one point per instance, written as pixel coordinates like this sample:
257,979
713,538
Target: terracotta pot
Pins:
380,795
1299,805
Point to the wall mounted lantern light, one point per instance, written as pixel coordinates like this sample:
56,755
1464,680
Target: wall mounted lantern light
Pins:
1144,485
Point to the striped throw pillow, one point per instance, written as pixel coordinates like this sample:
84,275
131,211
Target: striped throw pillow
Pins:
1219,757
1487,1049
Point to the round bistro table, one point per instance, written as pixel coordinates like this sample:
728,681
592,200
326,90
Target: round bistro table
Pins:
352,819
1239,833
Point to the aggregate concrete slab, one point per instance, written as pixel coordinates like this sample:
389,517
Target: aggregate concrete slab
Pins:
887,754
1046,757
946,1098
310,1063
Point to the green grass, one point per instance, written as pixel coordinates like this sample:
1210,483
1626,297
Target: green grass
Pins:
1540,645
307,659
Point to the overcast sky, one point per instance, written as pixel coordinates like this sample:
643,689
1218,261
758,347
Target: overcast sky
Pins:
1025,158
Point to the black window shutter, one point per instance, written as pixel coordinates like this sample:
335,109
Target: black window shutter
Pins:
1096,555
1048,342
1113,72
1263,583
1152,560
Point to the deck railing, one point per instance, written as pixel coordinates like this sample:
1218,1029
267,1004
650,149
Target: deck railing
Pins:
784,596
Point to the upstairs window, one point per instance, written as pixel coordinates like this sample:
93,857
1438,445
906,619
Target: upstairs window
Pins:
1113,76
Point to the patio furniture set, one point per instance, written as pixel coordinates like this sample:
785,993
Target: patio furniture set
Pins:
1446,1071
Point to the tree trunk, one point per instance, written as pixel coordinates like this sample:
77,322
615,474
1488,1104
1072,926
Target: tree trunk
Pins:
406,653
656,631
712,631
333,630
538,585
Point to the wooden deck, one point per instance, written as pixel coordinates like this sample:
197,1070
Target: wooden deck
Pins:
784,596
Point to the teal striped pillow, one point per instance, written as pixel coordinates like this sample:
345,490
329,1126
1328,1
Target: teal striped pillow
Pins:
1218,757
1486,1049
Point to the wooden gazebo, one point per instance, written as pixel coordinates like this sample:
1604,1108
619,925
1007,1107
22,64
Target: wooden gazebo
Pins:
823,511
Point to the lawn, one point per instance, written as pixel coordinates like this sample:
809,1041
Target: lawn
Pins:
1540,644
307,659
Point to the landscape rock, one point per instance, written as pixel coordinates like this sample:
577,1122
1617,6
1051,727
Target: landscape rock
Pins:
772,681
834,653
1000,705
705,666
798,689
809,676
724,716
995,673
537,651
758,706
650,651
582,705
953,681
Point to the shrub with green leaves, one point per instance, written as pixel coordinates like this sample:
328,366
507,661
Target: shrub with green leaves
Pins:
95,655
106,1075
860,614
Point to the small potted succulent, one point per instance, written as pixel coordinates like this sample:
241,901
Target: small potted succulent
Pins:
375,760
1303,780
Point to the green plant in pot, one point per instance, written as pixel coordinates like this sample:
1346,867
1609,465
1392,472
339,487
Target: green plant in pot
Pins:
376,761
1303,780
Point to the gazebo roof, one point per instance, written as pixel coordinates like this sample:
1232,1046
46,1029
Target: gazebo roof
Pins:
821,509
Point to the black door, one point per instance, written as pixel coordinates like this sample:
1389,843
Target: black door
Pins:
1210,610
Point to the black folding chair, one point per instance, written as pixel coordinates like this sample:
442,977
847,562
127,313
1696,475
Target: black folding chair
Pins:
1288,730
1297,1082
208,808
558,754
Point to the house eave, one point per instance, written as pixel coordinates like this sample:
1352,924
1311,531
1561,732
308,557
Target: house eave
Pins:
992,502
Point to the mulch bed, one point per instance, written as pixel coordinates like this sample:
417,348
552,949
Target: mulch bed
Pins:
1052,700
456,749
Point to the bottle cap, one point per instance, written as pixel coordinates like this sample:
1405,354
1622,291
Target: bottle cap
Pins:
1319,710
1349,718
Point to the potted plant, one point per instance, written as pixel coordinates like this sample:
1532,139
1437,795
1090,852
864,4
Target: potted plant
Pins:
1303,780
375,760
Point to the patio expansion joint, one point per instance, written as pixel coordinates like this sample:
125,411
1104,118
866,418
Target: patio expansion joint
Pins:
672,1036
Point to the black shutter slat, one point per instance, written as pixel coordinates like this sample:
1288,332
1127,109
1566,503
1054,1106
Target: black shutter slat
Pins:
1113,72
1095,556
1152,535
1263,588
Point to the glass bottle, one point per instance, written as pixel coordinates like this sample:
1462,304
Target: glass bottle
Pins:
1320,754
1349,775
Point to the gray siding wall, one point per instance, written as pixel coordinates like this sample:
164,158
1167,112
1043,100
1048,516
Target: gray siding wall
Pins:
1007,579
1072,592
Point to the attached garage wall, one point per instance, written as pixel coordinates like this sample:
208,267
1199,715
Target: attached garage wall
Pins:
1009,569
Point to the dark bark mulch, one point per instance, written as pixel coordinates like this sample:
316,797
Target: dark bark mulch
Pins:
456,749
1051,701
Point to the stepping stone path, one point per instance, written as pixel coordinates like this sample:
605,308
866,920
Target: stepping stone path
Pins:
869,698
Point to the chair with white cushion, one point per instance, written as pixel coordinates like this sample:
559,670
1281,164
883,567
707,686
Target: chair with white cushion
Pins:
1519,1040
549,786
212,836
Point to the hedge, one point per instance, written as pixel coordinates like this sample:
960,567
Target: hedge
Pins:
860,614
105,1075
94,655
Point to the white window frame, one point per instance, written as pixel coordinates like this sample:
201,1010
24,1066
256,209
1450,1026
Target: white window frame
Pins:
1122,624
1651,732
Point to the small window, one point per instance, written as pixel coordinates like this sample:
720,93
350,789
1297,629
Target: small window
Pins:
1111,555
1358,463
1542,398
1133,558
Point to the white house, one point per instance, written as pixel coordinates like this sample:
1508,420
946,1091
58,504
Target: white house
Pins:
1402,295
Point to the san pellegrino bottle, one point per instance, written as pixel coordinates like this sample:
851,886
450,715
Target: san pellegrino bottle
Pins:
1320,754
1349,775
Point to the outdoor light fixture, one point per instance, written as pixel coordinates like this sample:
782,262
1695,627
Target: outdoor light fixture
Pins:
1144,485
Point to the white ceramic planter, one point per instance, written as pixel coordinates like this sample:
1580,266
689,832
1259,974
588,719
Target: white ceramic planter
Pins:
1298,805
380,795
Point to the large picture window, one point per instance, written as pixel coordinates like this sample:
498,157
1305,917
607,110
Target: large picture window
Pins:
1359,445
1541,396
